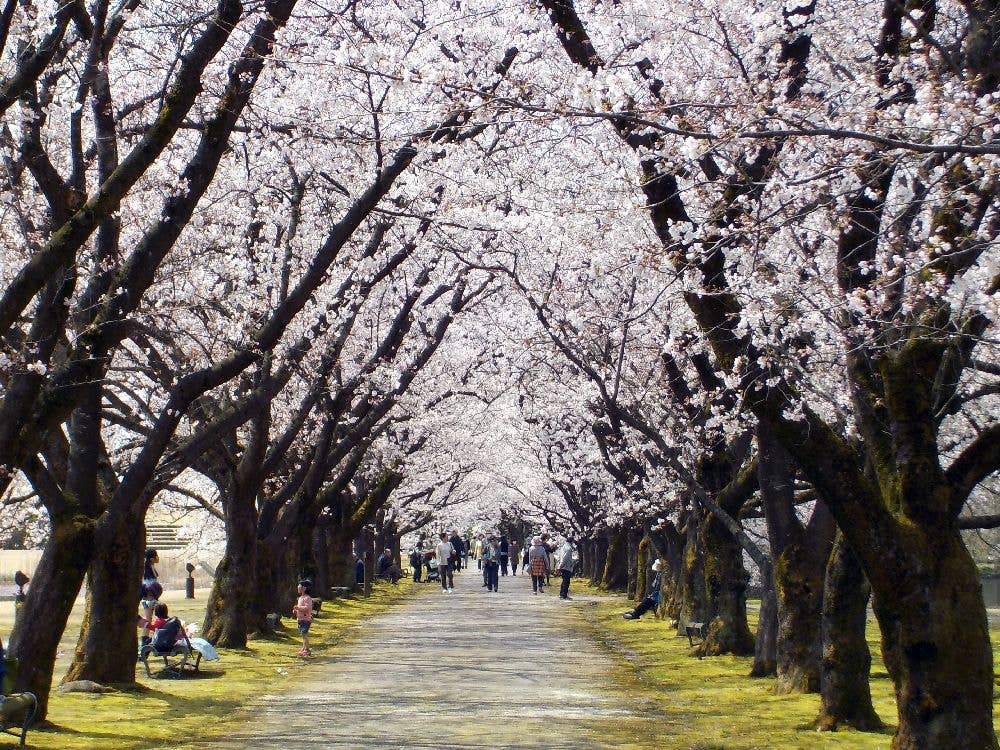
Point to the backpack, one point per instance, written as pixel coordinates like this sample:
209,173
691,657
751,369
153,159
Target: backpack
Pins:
166,635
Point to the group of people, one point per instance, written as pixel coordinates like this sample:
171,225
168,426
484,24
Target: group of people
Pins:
497,556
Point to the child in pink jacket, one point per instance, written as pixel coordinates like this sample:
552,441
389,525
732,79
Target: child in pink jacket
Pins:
303,613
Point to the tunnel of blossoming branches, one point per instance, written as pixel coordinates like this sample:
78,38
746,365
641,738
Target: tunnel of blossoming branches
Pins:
701,282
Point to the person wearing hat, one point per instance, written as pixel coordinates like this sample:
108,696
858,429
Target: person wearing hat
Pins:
538,563
652,600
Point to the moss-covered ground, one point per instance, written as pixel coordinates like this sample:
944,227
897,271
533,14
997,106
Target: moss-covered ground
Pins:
712,703
166,713
672,699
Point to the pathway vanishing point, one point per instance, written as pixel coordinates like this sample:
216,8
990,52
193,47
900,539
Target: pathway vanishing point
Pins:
469,669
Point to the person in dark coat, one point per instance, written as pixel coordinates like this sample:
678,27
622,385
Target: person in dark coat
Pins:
417,563
504,548
458,556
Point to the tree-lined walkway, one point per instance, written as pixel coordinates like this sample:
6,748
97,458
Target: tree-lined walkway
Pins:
467,669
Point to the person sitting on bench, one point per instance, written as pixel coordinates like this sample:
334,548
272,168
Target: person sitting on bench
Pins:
652,600
386,568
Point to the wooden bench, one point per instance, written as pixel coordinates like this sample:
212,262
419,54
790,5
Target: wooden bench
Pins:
697,630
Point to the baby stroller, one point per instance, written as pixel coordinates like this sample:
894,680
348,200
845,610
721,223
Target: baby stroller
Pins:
432,566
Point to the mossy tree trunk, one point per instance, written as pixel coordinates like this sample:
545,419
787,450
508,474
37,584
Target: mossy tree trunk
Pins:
599,556
227,614
799,553
641,564
692,600
633,538
845,688
340,547
668,544
264,598
107,646
615,574
725,590
55,585
765,659
936,646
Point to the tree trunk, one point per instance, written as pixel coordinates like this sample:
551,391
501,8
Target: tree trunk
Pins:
369,548
634,538
799,554
54,588
765,662
799,588
265,598
107,647
615,574
228,616
641,564
725,585
692,601
936,645
321,554
600,556
340,547
668,545
844,687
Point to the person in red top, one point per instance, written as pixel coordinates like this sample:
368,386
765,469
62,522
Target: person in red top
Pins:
303,613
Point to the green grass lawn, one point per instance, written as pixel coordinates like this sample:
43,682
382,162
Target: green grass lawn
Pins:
703,704
711,703
164,713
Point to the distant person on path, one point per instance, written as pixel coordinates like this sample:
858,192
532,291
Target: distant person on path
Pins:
504,554
538,563
445,552
149,593
549,558
458,551
491,563
565,562
477,551
650,601
515,556
303,614
417,563
359,570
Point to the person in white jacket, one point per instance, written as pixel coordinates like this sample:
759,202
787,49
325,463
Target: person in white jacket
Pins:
565,562
444,551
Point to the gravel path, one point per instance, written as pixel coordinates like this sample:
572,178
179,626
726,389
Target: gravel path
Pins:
470,669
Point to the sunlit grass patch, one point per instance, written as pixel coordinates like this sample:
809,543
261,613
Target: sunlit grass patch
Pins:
170,712
712,703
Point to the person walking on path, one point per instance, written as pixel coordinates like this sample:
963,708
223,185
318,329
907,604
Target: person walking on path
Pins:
651,600
477,551
417,563
491,563
549,557
565,563
444,552
538,562
303,614
515,556
458,550
504,554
